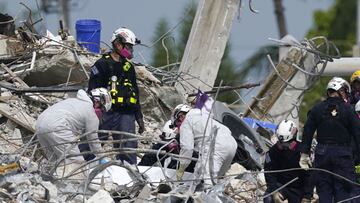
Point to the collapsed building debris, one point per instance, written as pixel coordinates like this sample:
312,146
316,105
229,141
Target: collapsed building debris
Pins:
40,72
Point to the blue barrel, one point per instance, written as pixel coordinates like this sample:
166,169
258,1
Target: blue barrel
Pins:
88,34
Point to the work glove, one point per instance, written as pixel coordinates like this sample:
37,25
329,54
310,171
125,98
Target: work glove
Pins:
103,161
180,172
305,161
278,197
305,200
141,124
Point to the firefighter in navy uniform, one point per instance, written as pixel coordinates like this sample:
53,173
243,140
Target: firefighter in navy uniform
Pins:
285,154
116,72
335,122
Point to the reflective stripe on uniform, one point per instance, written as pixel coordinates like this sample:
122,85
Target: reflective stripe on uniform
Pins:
133,100
127,66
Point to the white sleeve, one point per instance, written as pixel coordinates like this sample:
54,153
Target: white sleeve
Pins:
92,124
186,141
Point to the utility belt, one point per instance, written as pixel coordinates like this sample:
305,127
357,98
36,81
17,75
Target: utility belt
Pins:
122,93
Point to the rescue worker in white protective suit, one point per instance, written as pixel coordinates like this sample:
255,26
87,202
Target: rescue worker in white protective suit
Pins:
66,120
213,140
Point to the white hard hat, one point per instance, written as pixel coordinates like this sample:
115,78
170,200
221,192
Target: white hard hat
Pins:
167,132
336,83
126,36
101,94
286,130
178,109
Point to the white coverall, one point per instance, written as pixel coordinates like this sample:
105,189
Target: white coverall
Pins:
62,122
191,134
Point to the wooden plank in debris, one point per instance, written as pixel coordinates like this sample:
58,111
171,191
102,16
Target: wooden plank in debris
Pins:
274,85
18,116
13,75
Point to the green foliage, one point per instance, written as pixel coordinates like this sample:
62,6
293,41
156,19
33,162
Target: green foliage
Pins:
338,24
188,17
162,56
258,62
227,74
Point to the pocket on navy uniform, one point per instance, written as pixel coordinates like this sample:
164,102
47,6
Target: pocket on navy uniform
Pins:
320,149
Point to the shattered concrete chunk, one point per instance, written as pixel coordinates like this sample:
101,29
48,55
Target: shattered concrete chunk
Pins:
18,116
101,196
144,194
60,68
53,192
10,47
144,75
247,187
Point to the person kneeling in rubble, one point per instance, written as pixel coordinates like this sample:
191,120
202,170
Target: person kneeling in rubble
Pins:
57,126
286,155
169,133
213,140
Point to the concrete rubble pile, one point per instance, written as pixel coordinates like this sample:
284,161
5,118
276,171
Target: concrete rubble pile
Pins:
30,63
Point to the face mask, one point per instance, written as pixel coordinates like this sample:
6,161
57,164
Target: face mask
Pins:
126,53
98,112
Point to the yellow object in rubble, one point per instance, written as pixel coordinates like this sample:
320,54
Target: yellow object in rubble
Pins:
9,167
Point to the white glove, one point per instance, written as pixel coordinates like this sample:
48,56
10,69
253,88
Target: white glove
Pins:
278,197
305,161
180,172
304,200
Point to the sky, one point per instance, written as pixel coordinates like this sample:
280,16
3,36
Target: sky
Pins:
248,33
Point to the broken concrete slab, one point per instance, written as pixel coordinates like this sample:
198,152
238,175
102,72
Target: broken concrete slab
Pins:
144,195
18,116
60,68
101,196
245,186
146,76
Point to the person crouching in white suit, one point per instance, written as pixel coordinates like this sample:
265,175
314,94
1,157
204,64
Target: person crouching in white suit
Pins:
213,140
58,127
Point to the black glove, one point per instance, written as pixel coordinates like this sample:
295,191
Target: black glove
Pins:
141,124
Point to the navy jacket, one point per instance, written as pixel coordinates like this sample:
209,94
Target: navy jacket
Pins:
279,158
335,123
101,73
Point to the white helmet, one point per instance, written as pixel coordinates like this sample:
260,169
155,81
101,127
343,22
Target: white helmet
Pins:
336,83
101,94
126,36
286,130
167,132
178,109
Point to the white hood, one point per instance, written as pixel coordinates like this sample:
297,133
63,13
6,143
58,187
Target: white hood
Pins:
82,95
